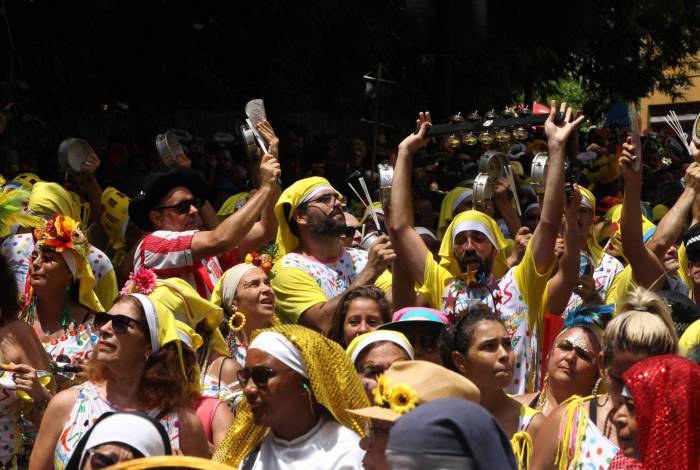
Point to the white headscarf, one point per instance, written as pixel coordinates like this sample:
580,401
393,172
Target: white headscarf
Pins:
151,319
282,349
230,281
469,225
313,192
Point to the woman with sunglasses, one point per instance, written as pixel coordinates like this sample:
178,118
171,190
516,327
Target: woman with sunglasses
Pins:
658,421
580,432
138,365
479,347
299,386
422,326
59,301
361,310
572,364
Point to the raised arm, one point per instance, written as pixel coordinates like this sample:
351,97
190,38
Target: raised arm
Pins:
235,227
408,244
647,269
501,199
553,203
562,284
671,226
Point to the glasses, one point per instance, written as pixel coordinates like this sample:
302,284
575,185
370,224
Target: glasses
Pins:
327,199
566,345
426,341
120,323
100,460
260,375
350,231
182,207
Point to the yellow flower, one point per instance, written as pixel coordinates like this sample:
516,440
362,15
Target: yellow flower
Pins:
379,391
402,399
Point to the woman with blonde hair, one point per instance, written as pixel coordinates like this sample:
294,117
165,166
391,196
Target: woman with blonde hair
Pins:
580,432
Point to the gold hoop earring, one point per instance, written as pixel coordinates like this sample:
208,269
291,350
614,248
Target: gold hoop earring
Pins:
232,321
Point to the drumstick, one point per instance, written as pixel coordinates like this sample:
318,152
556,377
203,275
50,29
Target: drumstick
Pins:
371,208
358,195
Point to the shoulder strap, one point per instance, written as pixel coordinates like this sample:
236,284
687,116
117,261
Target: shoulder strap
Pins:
249,461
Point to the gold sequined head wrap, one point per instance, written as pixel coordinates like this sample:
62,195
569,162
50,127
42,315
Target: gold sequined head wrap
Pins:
334,383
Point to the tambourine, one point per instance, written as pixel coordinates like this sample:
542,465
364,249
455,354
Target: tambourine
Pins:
483,192
369,239
538,172
696,131
248,139
493,163
168,147
386,176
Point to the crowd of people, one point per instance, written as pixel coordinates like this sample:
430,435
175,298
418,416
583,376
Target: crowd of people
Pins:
265,320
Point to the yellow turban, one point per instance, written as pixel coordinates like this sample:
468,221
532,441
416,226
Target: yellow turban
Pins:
615,213
179,297
286,207
482,223
232,204
449,203
48,199
588,200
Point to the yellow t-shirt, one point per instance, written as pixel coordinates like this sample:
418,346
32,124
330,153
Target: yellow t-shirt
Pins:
690,338
622,284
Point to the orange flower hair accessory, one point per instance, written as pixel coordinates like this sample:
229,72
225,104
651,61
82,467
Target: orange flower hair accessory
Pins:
62,233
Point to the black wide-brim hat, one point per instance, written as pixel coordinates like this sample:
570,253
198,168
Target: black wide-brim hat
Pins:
157,185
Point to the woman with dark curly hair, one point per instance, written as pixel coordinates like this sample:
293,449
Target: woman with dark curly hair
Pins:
138,365
361,310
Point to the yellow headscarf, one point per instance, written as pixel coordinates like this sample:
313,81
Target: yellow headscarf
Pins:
189,307
25,180
376,207
491,230
588,200
12,204
615,213
64,234
48,199
286,208
447,208
231,204
115,216
334,384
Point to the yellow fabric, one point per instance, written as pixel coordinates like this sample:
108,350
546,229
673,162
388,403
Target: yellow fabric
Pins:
334,384
531,285
683,271
27,180
615,213
522,448
180,298
106,289
11,204
295,292
447,259
48,199
367,217
288,202
229,205
115,216
384,281
690,338
446,210
658,212
594,248
195,339
620,287
572,429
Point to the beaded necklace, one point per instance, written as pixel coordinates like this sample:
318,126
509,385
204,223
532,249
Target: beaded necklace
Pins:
29,312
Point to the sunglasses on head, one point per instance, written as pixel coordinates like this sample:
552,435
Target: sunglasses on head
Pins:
120,323
260,375
182,207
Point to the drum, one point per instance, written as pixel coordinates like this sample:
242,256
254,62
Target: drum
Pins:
369,239
386,176
72,153
538,172
492,163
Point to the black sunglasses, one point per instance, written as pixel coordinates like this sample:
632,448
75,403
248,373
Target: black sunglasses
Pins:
350,231
182,207
260,375
120,323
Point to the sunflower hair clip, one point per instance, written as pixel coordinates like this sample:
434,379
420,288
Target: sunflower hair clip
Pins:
142,281
400,398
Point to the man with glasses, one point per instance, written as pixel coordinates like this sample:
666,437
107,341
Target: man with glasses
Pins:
170,209
316,268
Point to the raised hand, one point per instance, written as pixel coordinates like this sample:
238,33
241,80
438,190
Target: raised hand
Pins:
90,165
417,141
626,161
268,133
558,133
270,169
692,177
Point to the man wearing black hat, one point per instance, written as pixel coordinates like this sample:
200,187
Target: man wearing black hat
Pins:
168,207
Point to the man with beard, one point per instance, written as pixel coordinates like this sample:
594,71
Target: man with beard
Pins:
169,207
472,267
316,269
